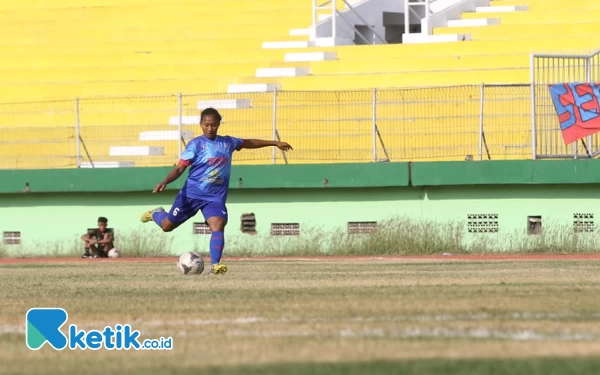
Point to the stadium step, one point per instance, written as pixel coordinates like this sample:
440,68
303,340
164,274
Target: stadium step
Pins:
165,135
282,72
136,5
309,56
403,79
286,44
185,120
540,5
419,64
474,22
502,9
224,104
330,42
440,38
252,87
504,32
136,150
547,16
299,32
108,164
317,42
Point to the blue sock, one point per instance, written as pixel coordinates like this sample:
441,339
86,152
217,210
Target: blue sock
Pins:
158,217
217,241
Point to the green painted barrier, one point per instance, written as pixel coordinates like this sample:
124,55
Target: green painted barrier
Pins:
302,176
253,177
506,172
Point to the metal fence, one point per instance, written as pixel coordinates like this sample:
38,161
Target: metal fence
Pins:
482,122
547,69
438,123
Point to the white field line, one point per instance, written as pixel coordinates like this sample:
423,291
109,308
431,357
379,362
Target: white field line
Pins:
436,332
436,317
248,320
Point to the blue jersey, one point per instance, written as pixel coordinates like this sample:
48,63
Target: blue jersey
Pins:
210,162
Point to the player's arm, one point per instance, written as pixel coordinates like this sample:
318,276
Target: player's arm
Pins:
106,239
259,143
86,238
172,176
188,155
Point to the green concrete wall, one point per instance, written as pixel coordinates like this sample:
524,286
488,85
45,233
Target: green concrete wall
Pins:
44,219
64,203
364,175
506,172
253,177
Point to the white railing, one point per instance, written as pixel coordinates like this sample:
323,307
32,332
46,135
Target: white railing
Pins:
366,13
437,13
327,5
417,8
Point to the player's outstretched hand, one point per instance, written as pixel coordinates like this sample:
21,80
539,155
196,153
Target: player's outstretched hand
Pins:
160,187
284,146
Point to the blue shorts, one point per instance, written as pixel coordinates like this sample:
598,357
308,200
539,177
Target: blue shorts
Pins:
185,208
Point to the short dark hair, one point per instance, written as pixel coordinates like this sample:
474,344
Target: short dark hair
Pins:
103,220
210,112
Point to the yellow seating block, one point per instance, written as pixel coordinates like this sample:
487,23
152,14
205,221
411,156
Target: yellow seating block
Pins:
155,50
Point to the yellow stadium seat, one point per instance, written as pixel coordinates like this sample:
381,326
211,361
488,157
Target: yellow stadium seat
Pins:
128,60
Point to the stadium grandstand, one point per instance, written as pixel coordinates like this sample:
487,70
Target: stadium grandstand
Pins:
120,83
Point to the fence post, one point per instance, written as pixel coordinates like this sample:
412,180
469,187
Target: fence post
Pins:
533,117
374,124
481,103
77,133
180,125
588,79
274,152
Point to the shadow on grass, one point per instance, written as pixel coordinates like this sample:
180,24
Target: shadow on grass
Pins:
551,366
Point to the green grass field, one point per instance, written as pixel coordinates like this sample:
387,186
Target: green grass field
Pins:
316,317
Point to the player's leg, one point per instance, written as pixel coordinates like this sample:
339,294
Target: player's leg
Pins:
87,253
216,217
101,252
93,251
149,216
183,208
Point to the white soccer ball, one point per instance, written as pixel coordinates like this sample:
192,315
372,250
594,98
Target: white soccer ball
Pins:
190,263
114,253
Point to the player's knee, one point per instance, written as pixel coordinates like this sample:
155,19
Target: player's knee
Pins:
216,224
167,226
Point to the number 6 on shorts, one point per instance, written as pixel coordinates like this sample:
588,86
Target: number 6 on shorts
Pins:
175,211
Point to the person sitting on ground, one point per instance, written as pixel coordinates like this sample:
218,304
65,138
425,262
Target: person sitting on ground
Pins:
98,241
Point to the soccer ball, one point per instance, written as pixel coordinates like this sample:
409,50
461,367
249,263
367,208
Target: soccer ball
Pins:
190,263
114,253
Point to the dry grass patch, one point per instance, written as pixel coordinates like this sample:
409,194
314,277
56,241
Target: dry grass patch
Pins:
283,312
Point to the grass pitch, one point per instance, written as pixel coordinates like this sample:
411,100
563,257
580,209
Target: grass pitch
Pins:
309,317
